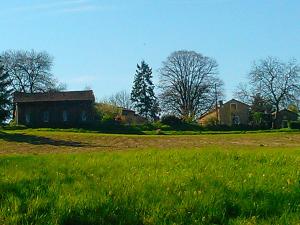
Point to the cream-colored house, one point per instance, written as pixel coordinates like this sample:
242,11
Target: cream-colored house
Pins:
230,113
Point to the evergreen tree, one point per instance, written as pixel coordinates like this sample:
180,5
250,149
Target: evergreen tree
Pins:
142,94
5,95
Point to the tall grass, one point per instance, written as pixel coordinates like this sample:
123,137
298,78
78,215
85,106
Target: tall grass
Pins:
151,187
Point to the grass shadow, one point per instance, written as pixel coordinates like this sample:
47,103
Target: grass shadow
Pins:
39,140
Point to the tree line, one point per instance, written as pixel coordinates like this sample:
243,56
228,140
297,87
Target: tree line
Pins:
272,85
188,84
25,71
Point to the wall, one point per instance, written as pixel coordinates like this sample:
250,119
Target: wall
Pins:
74,110
227,113
208,119
283,117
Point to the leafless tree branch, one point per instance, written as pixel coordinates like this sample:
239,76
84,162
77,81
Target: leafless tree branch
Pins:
187,81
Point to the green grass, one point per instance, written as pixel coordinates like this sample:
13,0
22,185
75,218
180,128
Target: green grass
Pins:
176,186
132,130
177,132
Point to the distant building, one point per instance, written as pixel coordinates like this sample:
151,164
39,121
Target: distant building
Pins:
54,109
129,116
230,113
283,117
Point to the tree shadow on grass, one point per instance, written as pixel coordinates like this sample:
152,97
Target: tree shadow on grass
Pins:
39,140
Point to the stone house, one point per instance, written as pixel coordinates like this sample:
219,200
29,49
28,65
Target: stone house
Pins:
129,116
283,117
54,109
230,113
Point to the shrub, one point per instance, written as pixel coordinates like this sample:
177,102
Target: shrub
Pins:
294,124
106,112
12,125
171,120
223,127
211,122
159,132
259,120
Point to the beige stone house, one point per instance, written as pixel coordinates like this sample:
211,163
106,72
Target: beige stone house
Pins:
230,113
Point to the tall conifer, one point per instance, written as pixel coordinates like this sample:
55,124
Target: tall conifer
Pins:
5,95
142,94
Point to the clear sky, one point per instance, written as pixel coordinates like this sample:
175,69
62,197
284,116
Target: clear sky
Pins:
98,43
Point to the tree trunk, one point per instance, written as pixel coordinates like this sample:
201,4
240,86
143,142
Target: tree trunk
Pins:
274,123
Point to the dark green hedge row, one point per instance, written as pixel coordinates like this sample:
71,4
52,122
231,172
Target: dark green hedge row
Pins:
294,124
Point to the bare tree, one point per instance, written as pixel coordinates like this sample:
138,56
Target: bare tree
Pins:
30,71
187,84
276,81
243,93
120,99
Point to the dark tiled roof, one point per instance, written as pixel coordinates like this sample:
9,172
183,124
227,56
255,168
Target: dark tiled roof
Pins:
54,96
237,101
285,111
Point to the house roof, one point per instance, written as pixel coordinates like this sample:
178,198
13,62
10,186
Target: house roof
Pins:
54,96
207,113
285,110
237,101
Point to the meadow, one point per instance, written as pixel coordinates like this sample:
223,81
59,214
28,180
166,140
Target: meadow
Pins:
65,178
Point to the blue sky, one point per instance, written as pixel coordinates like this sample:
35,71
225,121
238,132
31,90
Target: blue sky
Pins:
98,43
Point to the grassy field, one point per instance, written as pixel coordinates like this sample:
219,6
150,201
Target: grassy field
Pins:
89,178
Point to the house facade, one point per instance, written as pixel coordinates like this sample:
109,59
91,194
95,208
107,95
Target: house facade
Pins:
230,113
284,116
54,109
129,116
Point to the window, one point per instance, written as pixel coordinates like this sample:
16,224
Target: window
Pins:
233,106
27,117
235,120
65,116
83,116
46,116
